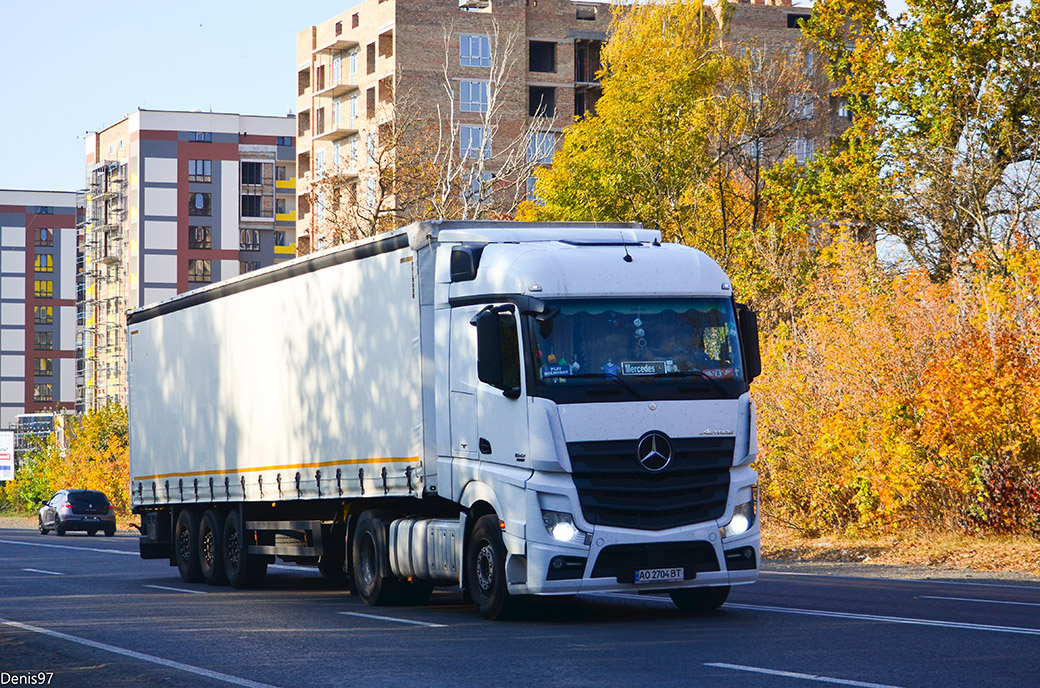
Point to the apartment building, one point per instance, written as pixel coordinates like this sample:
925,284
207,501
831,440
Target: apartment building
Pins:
351,66
174,201
37,301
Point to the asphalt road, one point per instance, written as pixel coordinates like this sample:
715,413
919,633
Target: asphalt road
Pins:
91,613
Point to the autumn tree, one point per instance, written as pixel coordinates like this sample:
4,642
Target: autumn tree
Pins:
942,152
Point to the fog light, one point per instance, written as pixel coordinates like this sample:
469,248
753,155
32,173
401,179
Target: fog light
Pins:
562,529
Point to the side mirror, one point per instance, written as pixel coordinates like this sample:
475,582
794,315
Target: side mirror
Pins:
489,347
747,324
498,352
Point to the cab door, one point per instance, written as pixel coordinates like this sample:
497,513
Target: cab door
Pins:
503,436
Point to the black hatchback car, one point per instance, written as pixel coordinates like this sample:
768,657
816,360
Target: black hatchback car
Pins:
87,510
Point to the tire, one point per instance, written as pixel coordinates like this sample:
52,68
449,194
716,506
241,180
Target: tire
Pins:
59,527
486,571
43,528
699,600
370,561
211,553
244,570
186,546
110,531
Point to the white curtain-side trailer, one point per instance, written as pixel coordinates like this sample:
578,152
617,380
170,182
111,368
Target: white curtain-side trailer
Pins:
510,408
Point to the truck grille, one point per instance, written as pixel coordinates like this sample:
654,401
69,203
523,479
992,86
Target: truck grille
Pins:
615,490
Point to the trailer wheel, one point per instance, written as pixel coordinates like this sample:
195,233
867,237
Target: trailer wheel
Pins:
699,600
486,570
186,546
244,570
211,553
371,563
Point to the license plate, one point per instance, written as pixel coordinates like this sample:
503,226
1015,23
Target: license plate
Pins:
91,518
659,575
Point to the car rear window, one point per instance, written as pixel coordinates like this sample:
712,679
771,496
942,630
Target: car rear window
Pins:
96,498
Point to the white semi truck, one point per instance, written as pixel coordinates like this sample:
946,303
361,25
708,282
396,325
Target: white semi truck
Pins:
513,409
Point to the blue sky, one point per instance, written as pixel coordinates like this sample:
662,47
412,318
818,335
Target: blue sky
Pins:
67,68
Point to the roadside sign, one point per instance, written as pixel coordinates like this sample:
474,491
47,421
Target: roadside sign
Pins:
6,455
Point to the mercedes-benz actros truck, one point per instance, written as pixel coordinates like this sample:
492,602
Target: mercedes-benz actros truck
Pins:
508,408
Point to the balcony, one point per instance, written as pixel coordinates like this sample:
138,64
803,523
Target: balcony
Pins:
338,44
335,132
285,183
336,90
285,217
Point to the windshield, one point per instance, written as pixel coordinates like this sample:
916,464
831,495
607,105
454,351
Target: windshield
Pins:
638,349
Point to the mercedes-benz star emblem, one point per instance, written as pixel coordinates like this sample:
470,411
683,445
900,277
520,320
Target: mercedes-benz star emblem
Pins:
654,451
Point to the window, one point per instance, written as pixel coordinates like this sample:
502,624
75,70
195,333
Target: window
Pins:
279,206
249,240
474,51
200,136
370,103
284,140
44,237
586,13
542,101
44,262
199,271
43,341
532,194
353,153
303,81
542,56
335,113
200,237
844,111
200,204
279,238
43,366
44,392
353,110
370,147
804,149
353,65
474,96
43,315
200,170
339,28
479,189
319,162
793,20
45,210
281,173
800,105
252,173
252,205
44,289
473,143
354,21
370,55
337,68
541,147
245,266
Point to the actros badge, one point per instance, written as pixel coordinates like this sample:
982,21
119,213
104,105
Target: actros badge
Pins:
654,451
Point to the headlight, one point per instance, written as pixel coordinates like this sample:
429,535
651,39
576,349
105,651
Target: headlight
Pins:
743,519
561,527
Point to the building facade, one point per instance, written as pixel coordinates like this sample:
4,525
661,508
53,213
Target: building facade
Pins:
174,201
37,301
351,66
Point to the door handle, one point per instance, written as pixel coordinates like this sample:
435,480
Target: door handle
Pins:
485,446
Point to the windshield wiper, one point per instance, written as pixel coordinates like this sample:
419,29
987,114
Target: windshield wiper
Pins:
698,374
606,376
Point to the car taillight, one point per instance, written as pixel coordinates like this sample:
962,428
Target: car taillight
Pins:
66,505
111,508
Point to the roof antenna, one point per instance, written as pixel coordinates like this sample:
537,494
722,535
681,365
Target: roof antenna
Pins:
627,258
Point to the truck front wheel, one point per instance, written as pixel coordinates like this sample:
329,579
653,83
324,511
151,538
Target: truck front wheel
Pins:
186,546
244,570
486,570
700,600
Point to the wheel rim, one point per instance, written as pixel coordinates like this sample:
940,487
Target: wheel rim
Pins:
485,567
368,559
232,550
183,544
207,548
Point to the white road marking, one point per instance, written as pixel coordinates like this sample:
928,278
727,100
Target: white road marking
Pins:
972,599
888,619
85,549
933,581
163,587
793,674
49,573
391,618
198,671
